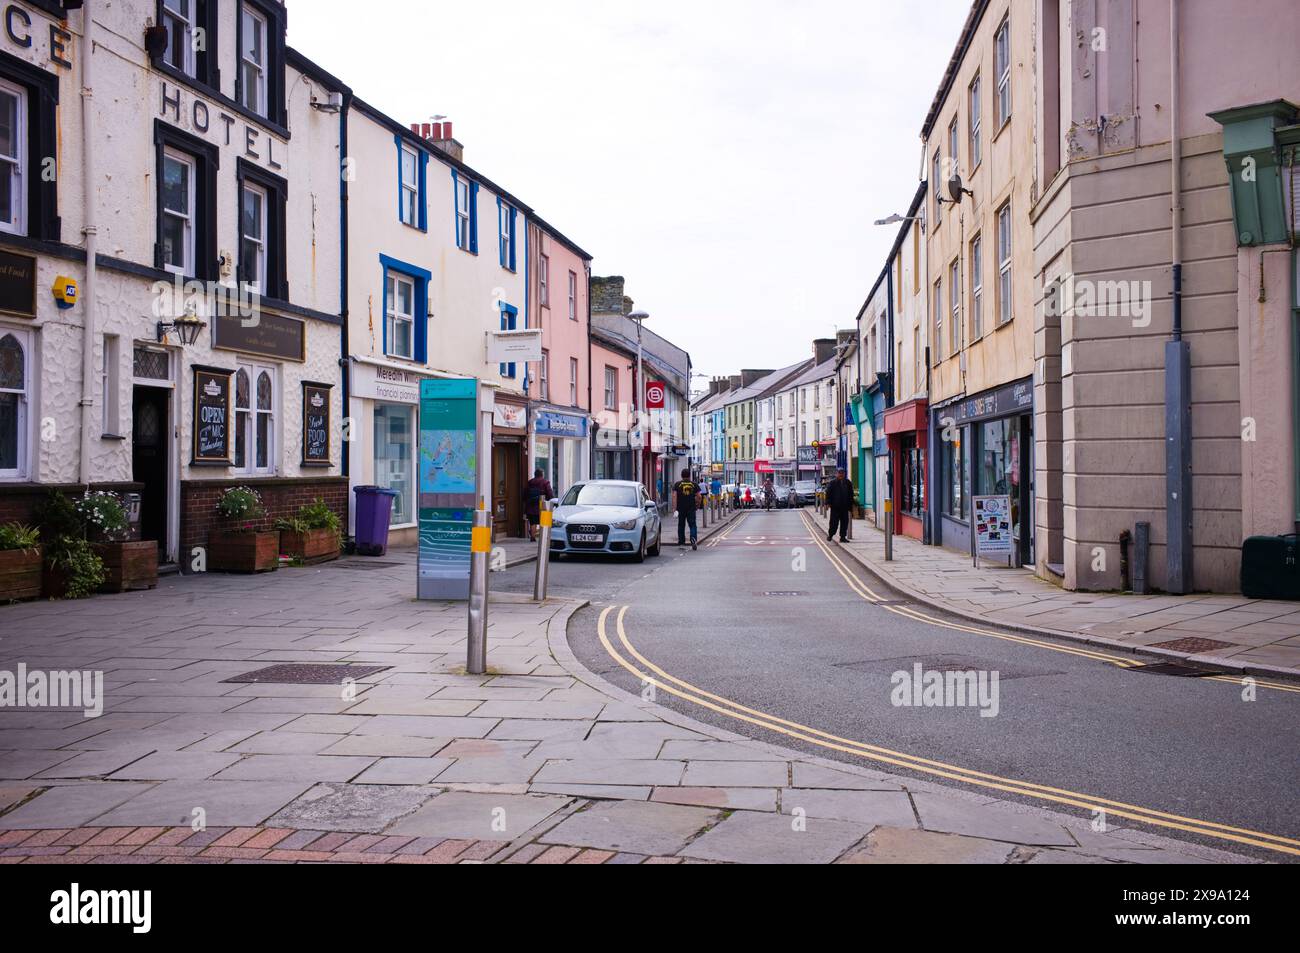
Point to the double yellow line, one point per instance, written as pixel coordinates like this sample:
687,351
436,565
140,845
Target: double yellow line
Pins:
649,673
864,591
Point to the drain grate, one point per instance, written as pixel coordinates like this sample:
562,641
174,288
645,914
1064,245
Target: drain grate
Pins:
1193,645
322,674
348,564
1176,669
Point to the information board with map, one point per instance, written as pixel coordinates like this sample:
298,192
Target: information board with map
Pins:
448,484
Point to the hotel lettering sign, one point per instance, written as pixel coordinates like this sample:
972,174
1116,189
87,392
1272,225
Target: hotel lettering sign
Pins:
219,127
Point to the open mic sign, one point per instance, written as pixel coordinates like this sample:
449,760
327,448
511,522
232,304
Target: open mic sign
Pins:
654,395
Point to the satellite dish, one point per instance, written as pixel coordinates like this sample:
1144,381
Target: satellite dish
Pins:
955,188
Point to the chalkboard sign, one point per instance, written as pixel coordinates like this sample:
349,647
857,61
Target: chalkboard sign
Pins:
315,424
212,416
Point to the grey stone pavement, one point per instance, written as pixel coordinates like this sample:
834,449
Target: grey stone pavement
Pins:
538,761
1257,636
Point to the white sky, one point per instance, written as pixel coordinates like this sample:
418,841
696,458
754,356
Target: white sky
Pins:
727,158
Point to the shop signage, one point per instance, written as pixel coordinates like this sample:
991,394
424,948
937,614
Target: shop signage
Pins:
270,335
1012,399
218,126
392,384
448,480
993,526
547,424
315,424
212,416
17,284
763,466
510,416
505,347
655,394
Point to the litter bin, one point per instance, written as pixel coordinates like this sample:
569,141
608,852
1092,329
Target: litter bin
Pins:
374,510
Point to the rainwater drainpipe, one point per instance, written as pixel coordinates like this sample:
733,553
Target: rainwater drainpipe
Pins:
1178,416
90,230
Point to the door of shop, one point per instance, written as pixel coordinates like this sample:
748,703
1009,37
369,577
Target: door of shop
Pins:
507,487
150,413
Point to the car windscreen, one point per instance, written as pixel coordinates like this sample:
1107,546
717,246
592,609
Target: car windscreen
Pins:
601,494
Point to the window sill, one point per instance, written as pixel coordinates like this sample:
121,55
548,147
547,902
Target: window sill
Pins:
111,436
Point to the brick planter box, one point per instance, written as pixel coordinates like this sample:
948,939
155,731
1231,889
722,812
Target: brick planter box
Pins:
243,552
311,547
128,566
20,573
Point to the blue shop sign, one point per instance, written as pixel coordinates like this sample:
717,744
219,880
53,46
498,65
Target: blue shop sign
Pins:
549,424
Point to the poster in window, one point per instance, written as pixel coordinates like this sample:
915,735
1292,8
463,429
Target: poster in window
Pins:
17,284
212,416
315,424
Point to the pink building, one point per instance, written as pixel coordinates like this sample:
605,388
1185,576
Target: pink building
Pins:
560,385
612,374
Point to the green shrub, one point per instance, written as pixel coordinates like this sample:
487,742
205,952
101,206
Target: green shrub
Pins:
103,514
57,517
318,515
18,536
241,503
83,570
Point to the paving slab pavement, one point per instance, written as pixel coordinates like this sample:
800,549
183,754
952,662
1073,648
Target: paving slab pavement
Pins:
539,761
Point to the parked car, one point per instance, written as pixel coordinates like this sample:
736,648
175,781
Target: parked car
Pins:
803,492
609,517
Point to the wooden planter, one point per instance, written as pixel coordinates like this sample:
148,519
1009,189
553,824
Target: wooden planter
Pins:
243,552
128,566
20,573
311,547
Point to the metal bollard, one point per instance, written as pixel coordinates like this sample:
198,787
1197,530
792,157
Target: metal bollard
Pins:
704,514
543,551
889,530
480,551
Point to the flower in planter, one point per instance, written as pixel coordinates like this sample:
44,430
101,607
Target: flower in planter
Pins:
104,515
240,503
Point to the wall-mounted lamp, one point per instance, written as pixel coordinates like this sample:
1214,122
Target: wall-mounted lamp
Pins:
187,329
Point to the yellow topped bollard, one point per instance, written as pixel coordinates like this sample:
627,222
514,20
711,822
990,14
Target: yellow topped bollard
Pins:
480,551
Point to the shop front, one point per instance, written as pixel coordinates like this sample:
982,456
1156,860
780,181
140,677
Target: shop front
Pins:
861,460
907,440
559,443
509,457
985,446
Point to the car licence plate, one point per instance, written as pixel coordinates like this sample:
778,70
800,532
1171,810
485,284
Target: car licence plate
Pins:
585,537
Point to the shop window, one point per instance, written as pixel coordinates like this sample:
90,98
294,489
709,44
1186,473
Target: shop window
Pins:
15,394
912,458
394,457
255,419
956,476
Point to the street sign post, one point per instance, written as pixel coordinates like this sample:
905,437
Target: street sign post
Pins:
448,481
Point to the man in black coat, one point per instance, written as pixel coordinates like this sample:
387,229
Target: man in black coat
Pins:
839,498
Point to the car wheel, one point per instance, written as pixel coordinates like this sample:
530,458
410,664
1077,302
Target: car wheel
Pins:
640,552
654,550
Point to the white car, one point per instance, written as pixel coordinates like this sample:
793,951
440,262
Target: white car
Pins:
609,517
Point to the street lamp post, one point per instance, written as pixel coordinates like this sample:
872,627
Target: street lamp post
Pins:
639,317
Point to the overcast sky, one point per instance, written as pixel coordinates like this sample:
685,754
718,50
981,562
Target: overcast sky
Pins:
727,157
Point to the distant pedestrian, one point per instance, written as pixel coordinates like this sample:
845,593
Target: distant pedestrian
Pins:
715,488
685,492
839,498
536,490
749,497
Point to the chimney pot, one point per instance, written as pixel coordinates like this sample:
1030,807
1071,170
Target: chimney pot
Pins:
446,131
415,128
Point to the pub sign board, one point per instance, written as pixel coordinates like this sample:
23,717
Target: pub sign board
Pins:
17,284
269,335
315,424
212,416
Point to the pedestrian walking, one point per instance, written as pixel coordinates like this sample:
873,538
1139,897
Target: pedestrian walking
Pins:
536,490
839,498
685,493
715,488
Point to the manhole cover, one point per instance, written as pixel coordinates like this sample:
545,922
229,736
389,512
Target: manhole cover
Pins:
1177,669
364,565
308,674
1193,645
779,592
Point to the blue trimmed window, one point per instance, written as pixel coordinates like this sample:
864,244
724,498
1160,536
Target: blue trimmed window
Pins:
412,164
465,195
506,215
509,322
406,310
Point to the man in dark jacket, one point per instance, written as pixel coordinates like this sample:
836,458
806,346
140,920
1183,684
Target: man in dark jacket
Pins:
839,499
538,489
685,494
